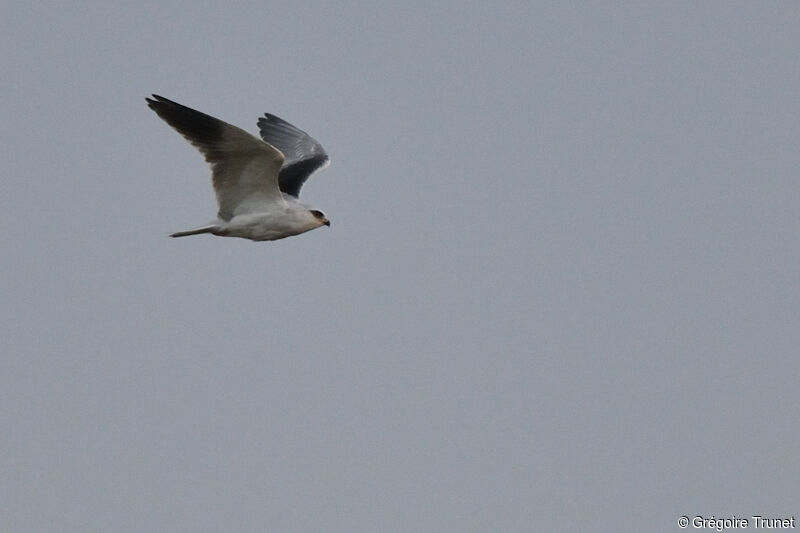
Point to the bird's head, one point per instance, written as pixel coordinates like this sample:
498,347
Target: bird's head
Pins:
320,217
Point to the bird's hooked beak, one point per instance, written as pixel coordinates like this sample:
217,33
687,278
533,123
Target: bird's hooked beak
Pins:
326,222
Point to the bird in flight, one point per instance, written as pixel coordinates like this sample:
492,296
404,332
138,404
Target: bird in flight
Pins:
257,181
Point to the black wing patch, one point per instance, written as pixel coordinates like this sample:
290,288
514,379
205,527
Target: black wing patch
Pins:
203,131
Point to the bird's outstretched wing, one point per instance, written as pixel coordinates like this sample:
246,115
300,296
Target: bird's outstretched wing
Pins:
244,169
303,154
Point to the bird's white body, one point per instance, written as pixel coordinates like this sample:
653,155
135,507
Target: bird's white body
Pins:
276,222
257,181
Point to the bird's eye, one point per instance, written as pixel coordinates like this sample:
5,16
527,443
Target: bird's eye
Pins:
318,214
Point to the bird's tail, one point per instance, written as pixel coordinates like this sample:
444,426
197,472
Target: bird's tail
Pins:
197,231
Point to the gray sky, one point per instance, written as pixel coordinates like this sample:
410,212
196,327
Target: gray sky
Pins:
560,290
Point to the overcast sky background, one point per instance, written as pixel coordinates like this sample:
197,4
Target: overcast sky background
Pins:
560,290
